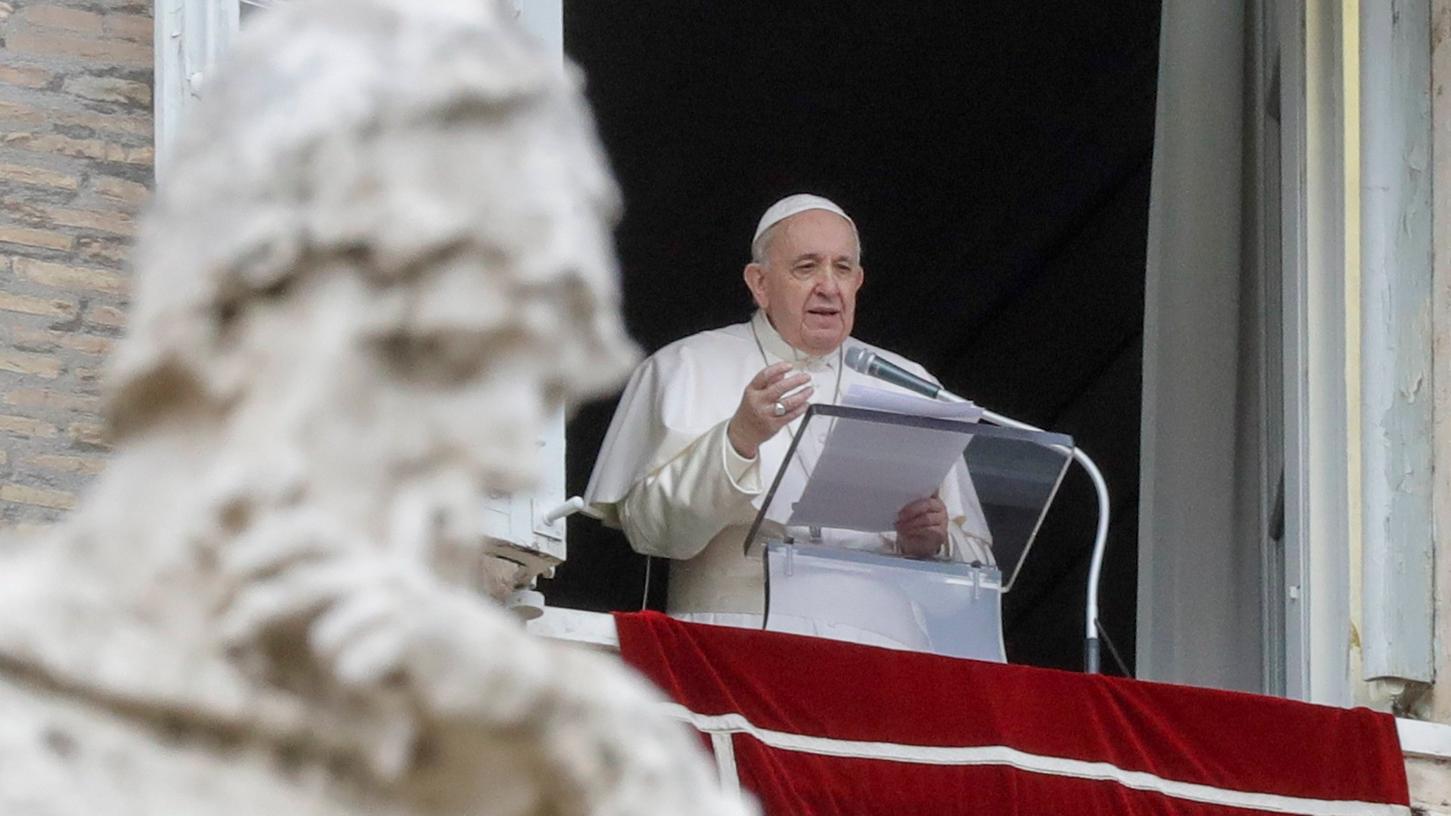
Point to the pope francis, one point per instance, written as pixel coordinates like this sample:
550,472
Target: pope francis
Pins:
699,430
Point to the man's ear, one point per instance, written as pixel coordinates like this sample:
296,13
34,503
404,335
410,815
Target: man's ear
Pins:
755,277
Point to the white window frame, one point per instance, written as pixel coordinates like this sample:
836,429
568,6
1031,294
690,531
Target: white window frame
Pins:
1317,469
1344,477
190,35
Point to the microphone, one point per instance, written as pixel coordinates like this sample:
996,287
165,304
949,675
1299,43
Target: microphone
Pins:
871,364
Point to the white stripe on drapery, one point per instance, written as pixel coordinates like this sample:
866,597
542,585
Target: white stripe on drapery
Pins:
725,724
725,761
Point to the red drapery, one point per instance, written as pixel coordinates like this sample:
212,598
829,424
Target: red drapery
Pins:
817,727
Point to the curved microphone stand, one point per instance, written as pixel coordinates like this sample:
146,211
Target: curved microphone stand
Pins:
1100,540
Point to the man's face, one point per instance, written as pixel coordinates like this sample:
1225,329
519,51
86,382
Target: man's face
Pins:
808,285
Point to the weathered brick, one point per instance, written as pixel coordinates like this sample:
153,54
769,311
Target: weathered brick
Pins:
13,115
45,307
128,192
39,365
27,339
51,399
63,276
106,252
133,124
24,76
130,26
56,463
62,18
86,343
89,434
25,426
38,496
40,42
38,177
108,89
106,316
62,145
25,211
115,223
45,239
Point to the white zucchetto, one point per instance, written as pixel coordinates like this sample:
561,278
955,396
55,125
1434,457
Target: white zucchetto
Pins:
793,204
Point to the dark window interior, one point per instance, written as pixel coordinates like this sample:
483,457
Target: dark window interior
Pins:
995,155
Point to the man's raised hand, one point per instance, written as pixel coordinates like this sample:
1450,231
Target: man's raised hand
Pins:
757,418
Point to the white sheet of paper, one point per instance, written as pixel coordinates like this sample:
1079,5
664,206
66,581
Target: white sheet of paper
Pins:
868,471
880,399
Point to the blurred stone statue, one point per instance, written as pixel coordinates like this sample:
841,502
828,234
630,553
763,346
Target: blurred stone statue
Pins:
380,260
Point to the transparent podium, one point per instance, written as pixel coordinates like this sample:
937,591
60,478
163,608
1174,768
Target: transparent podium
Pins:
825,529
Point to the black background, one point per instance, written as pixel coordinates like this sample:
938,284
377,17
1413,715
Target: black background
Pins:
995,155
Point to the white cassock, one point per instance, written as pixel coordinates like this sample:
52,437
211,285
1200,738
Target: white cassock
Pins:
668,476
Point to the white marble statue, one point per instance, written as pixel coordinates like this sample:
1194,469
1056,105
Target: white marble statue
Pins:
380,260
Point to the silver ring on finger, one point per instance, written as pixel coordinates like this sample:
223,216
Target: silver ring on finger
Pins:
779,409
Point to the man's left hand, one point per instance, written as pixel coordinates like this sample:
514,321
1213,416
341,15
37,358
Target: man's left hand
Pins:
922,528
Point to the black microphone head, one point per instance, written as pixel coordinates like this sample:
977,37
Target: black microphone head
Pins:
859,359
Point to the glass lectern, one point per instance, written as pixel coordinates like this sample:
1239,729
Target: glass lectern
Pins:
825,530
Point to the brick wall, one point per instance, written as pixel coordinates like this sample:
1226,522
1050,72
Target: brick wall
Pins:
75,164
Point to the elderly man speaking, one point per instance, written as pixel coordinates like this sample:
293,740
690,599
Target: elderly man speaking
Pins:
699,430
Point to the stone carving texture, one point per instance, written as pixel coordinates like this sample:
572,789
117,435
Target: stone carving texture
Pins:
381,259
